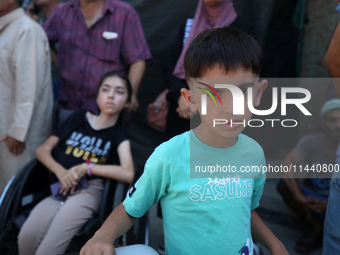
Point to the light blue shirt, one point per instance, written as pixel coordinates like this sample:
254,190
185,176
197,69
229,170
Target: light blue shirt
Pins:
200,215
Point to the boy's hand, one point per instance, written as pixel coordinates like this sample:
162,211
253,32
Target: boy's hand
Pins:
265,236
118,223
97,245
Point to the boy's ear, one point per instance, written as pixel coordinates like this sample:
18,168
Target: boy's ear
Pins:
186,94
261,87
189,97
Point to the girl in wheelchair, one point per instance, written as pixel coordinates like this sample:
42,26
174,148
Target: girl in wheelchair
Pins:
85,148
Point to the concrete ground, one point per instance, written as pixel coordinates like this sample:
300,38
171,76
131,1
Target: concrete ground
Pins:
280,219
285,225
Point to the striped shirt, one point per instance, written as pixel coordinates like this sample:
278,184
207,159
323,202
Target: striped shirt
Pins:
85,54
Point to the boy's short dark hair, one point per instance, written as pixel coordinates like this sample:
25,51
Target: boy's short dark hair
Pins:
228,47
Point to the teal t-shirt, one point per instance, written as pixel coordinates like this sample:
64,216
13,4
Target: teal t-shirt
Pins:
200,215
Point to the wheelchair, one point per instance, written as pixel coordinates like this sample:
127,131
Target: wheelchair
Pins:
31,184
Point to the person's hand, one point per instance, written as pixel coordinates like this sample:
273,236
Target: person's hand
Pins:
80,170
14,146
97,245
316,204
302,199
183,108
69,180
133,104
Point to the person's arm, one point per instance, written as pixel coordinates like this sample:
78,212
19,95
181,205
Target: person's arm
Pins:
332,58
173,83
123,172
54,57
265,236
313,203
24,86
68,179
293,158
114,226
134,52
136,73
25,57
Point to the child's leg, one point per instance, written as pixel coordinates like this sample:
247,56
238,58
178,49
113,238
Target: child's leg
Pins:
70,218
35,227
300,209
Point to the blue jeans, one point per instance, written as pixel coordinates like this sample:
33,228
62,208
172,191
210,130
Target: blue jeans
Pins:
331,240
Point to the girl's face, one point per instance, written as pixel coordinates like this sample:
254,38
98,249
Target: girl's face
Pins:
112,96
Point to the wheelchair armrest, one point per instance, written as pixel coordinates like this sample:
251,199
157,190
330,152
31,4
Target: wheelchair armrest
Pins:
107,199
120,193
113,194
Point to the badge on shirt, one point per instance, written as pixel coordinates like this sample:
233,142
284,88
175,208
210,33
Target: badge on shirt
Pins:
110,35
132,190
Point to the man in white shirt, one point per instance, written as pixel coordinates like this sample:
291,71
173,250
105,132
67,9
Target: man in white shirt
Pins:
26,92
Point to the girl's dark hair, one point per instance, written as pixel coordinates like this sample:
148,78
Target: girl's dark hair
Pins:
121,76
228,47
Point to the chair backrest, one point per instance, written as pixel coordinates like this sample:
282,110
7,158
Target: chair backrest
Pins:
60,116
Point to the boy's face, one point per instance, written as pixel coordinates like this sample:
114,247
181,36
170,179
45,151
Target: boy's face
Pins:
223,110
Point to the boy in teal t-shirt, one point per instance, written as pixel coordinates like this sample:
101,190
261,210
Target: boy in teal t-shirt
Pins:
213,213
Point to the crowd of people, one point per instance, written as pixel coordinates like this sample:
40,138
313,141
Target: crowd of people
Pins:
85,40
89,56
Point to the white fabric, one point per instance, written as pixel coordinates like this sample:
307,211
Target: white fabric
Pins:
26,89
137,249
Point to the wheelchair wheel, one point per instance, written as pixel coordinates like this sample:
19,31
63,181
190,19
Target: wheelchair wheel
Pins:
22,193
7,234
